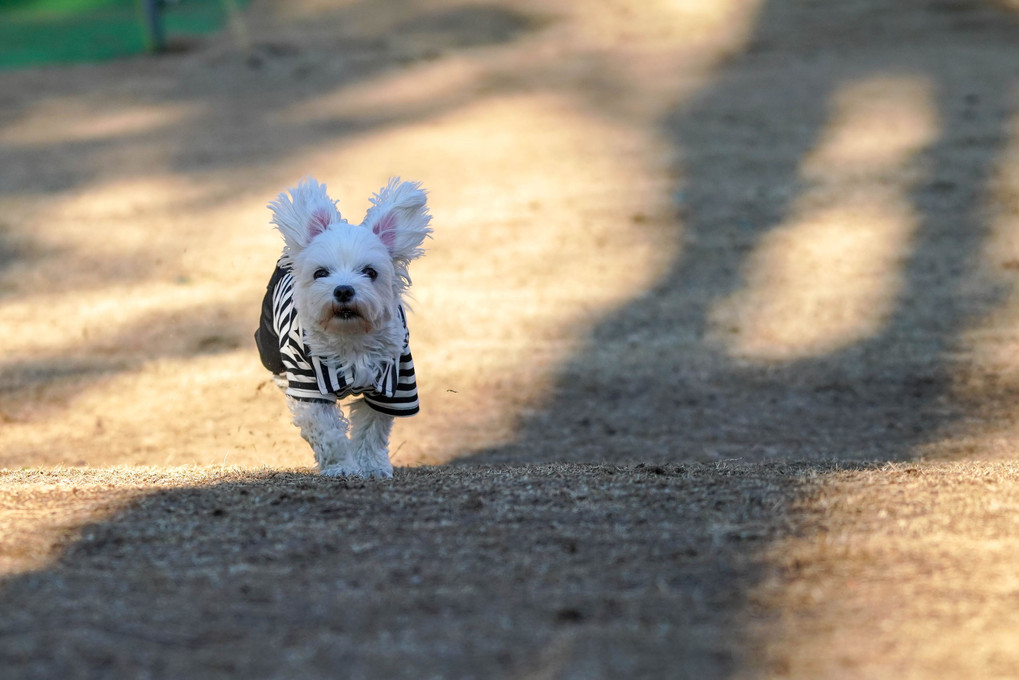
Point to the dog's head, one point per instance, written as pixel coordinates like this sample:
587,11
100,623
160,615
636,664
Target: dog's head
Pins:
348,279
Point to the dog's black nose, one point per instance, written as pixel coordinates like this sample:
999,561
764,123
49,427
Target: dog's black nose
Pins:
343,293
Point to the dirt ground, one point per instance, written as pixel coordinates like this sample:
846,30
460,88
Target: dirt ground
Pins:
715,340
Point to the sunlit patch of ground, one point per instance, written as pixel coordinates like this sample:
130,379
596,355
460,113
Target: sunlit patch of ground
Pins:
43,510
899,571
830,276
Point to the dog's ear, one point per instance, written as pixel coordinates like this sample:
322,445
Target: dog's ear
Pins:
303,214
399,217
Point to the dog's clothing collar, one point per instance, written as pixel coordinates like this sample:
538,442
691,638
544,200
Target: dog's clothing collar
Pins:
391,390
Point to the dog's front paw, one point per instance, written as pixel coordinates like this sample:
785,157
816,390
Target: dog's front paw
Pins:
378,473
339,471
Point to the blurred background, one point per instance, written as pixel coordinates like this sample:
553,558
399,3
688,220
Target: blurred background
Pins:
39,32
664,230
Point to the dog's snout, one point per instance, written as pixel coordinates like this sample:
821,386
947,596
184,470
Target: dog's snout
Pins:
343,293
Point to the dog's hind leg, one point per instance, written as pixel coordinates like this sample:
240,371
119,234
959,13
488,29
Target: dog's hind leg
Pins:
324,427
369,437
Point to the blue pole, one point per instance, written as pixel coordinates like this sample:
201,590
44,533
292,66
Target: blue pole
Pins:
154,25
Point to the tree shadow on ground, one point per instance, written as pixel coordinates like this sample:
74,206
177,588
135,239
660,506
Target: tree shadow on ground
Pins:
655,383
493,571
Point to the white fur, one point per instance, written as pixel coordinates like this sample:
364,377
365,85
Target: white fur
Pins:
324,252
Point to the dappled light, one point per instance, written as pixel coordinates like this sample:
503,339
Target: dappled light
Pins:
63,120
877,125
555,263
168,260
715,343
894,557
830,276
548,265
820,283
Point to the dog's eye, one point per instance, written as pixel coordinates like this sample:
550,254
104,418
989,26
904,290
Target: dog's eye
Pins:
370,273
320,272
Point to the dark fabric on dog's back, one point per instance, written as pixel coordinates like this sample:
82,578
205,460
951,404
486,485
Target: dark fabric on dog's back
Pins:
265,337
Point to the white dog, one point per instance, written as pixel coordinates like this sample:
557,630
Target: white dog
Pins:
333,322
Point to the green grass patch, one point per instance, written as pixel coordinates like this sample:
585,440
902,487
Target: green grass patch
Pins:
34,32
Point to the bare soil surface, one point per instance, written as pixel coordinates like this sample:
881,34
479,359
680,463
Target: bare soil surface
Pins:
716,343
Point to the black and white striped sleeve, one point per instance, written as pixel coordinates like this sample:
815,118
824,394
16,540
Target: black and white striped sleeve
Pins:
302,380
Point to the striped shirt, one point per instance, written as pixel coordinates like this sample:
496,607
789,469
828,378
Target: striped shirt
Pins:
391,390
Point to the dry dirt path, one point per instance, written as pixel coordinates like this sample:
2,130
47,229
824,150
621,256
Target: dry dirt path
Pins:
715,339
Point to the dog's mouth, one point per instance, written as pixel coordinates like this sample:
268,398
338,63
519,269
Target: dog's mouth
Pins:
344,318
346,313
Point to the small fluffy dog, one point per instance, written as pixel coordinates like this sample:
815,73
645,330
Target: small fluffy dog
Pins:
333,322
